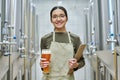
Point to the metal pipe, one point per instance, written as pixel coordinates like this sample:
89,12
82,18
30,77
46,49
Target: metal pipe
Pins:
115,65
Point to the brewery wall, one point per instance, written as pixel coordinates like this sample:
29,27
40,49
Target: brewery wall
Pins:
19,46
24,22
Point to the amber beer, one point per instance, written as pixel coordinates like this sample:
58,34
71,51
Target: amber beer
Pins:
46,53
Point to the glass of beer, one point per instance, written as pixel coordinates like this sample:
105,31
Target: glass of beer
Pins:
46,54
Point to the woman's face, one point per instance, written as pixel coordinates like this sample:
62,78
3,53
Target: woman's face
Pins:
59,19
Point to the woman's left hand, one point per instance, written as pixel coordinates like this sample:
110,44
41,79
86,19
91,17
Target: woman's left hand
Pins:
72,63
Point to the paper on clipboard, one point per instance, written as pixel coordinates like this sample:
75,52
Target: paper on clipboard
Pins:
80,51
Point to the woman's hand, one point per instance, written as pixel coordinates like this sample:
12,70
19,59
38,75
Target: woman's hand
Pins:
72,63
44,63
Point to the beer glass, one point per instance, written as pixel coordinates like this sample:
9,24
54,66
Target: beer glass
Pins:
46,54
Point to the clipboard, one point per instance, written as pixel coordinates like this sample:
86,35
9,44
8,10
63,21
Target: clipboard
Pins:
78,55
80,51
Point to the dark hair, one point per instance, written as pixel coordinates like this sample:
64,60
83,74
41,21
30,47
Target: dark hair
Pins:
58,7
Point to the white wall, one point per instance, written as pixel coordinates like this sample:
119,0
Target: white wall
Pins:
0,19
75,23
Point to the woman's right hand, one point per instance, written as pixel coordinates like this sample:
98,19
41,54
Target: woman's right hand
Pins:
44,63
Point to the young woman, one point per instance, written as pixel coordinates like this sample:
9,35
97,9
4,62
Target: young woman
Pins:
63,46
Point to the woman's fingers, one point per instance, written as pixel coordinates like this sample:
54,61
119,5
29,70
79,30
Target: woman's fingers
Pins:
44,63
72,63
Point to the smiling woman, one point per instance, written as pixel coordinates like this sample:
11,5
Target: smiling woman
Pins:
63,46
59,18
